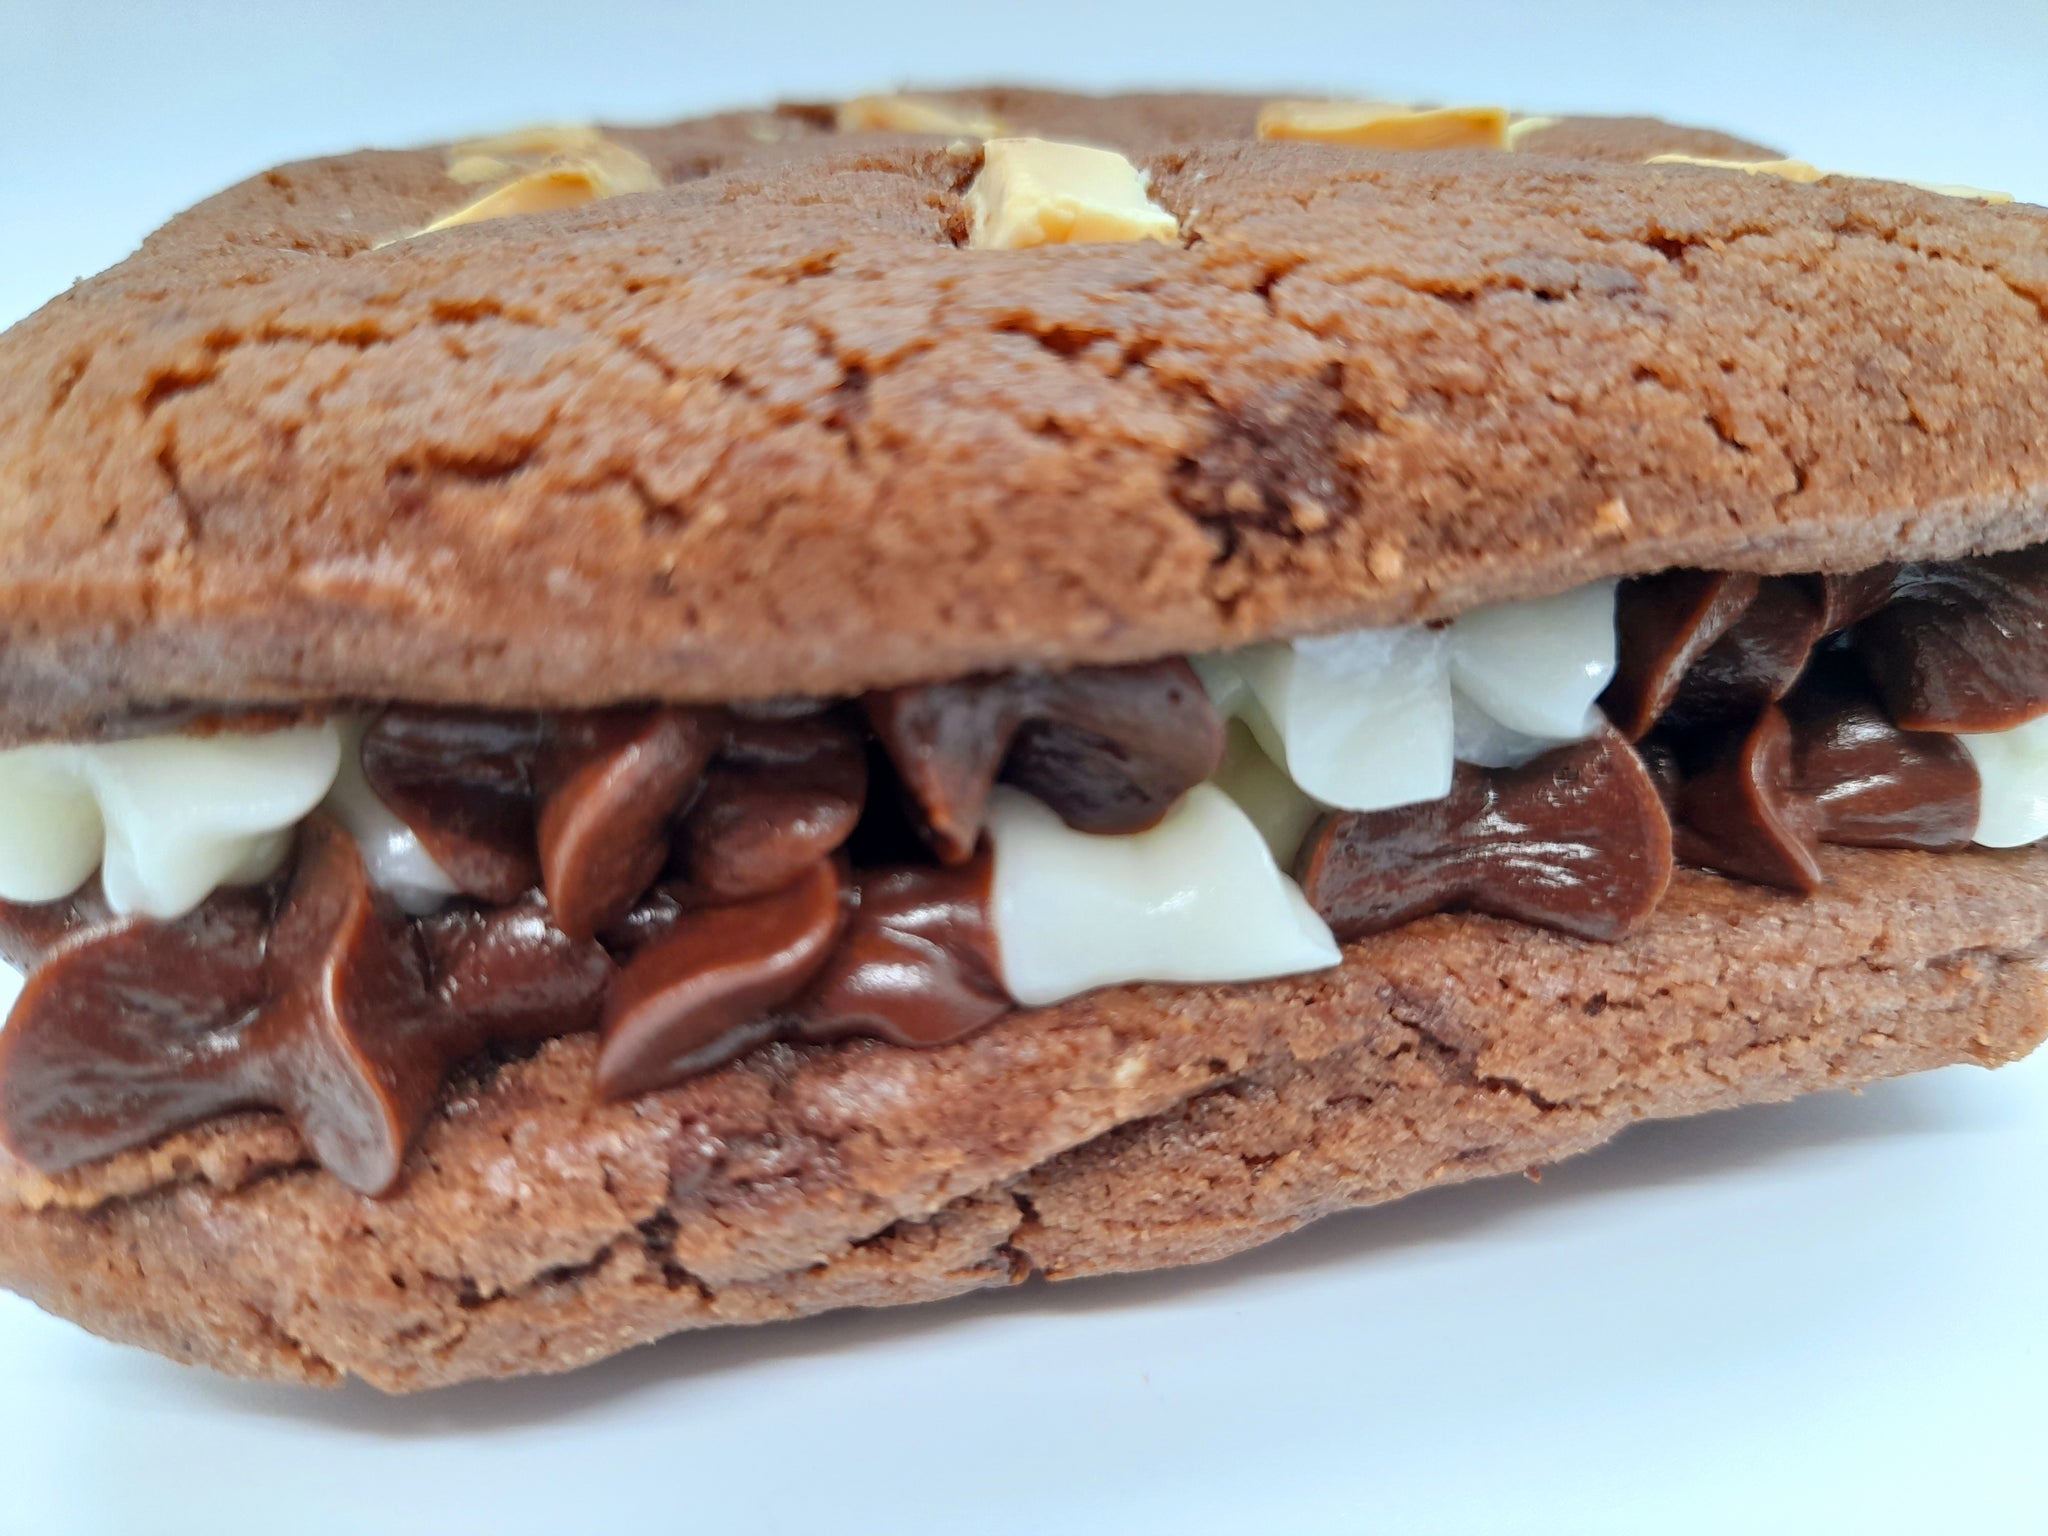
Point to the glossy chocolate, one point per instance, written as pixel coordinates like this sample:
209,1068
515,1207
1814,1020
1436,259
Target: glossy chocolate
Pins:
1109,748
917,964
1738,814
1663,624
326,1008
613,782
1756,661
782,795
1870,784
463,782
1963,645
1825,767
1576,840
705,991
512,975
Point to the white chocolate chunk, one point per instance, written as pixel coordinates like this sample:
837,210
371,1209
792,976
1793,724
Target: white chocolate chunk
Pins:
1784,170
50,831
392,853
1262,790
1476,737
913,114
1520,128
1385,125
1800,170
547,169
1361,721
2012,771
165,818
1197,898
1374,718
187,813
1537,667
1036,192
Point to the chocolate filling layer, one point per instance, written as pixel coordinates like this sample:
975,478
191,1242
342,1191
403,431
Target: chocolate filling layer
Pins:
694,882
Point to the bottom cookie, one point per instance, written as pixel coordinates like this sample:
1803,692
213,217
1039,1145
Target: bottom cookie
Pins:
539,1230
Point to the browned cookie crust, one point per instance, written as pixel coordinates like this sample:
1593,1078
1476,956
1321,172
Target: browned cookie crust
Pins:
538,1230
769,430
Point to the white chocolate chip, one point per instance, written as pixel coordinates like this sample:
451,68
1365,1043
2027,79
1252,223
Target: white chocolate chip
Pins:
541,170
1035,192
1537,667
1376,718
1262,790
914,114
1520,128
1786,170
2012,774
165,819
1197,898
1385,125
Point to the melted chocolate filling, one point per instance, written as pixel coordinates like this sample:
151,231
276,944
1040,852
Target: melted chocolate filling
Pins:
694,882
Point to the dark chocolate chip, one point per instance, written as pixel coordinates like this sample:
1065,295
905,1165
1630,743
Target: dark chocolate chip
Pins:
511,975
917,964
463,782
1741,815
1108,748
1662,624
706,991
132,1028
1849,599
613,781
1963,645
1576,840
1870,784
782,795
1756,661
30,932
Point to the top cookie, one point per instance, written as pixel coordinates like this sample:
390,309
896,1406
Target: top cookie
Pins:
771,429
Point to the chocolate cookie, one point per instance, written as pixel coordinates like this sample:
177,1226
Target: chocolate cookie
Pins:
768,429
611,731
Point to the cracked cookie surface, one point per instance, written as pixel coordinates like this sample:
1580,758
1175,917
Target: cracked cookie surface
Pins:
768,429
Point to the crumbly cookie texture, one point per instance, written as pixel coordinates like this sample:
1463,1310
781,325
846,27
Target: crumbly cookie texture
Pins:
769,429
539,1231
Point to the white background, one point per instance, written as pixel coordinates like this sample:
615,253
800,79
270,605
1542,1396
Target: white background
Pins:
1821,1317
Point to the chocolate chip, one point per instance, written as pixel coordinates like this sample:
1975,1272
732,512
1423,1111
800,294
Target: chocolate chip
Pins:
512,976
133,1028
1825,767
1963,645
1849,599
917,964
1576,840
1108,748
782,795
614,781
1741,815
1756,661
1663,624
463,782
705,991
1870,784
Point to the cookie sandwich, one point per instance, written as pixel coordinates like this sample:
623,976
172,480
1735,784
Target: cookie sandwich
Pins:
610,731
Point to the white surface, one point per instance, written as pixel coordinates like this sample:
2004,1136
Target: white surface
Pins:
1820,1317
